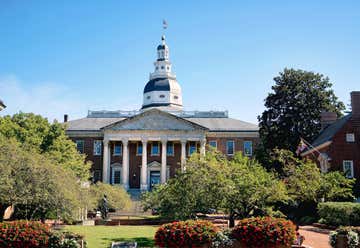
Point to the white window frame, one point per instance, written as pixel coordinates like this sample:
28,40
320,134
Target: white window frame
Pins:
173,149
189,149
152,145
117,154
251,148
137,149
115,169
351,163
227,145
213,141
350,137
95,151
83,145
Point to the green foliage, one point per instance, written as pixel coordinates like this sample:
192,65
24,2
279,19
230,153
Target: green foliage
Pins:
293,110
339,213
66,240
117,197
36,134
264,232
242,187
35,184
185,234
351,235
336,187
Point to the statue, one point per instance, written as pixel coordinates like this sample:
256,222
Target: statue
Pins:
104,208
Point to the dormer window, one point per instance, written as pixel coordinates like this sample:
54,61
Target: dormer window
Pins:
162,96
148,97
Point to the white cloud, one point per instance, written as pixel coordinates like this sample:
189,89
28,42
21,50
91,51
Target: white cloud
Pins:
53,100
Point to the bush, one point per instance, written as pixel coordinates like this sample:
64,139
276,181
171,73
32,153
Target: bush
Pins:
66,240
24,234
185,234
263,232
339,213
349,234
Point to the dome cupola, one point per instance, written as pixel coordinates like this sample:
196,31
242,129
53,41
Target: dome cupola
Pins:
162,90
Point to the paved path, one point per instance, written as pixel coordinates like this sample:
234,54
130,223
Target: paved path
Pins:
315,237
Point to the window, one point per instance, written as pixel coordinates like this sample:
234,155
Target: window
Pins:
116,176
157,67
230,147
148,97
162,96
350,137
192,147
139,149
96,176
80,145
348,166
248,148
176,97
213,143
97,147
170,149
117,149
162,67
155,149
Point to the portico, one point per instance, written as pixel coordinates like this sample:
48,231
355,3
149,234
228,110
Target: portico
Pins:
145,132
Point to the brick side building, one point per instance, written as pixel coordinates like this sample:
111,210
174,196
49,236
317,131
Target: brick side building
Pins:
138,149
338,145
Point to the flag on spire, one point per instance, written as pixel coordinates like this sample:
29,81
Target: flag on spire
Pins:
165,25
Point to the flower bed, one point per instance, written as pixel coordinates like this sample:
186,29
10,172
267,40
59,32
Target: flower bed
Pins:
23,234
186,234
264,232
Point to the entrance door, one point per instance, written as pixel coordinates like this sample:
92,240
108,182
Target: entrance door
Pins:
154,178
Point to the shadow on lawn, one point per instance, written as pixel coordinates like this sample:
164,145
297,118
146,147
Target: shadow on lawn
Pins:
141,241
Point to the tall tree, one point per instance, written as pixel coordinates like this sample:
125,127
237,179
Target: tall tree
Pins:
35,133
293,109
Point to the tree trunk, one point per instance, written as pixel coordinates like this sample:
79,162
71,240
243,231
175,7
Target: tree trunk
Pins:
231,219
2,211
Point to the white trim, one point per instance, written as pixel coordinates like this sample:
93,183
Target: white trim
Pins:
121,150
323,145
226,152
173,149
215,143
142,149
101,147
350,137
351,167
151,150
251,148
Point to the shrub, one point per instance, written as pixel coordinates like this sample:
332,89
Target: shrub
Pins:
351,235
65,240
23,234
185,234
339,213
263,232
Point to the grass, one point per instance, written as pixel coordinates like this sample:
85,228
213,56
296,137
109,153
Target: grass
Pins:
103,236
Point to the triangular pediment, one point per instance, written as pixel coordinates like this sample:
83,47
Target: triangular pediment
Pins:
155,119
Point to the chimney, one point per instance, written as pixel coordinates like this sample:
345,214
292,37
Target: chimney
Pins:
355,104
66,117
327,118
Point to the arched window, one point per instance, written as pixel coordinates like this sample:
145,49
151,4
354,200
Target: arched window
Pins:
162,96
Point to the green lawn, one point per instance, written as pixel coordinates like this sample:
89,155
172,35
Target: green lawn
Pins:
102,236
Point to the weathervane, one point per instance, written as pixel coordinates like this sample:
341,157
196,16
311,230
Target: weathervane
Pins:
165,25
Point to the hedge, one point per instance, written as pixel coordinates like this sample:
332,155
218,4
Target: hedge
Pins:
339,213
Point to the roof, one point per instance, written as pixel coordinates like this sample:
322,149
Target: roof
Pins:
158,84
328,133
213,124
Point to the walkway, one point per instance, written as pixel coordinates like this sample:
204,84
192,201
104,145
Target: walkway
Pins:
315,237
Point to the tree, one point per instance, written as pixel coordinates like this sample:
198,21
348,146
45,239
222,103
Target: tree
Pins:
293,110
241,187
35,133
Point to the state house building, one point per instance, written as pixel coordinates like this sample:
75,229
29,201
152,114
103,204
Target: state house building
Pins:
138,149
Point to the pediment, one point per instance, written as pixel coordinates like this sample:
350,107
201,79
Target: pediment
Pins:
155,119
154,164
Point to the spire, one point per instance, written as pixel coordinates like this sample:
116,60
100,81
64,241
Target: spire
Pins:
162,64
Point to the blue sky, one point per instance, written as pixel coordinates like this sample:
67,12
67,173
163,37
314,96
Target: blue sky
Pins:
67,56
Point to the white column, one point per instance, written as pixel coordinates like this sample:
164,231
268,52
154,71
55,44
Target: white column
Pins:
125,164
163,161
202,147
183,154
143,181
106,162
